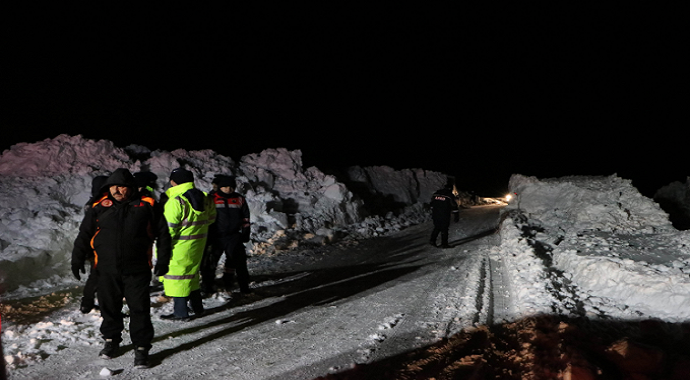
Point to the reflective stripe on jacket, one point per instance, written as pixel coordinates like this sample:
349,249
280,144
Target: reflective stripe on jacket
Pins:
188,225
232,215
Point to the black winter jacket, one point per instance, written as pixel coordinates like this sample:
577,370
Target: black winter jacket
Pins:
232,216
121,234
443,204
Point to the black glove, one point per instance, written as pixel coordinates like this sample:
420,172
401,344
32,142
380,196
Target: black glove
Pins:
160,269
245,235
76,268
457,218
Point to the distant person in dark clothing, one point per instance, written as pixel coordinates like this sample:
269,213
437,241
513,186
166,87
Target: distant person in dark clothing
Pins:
228,235
120,230
443,205
146,183
88,301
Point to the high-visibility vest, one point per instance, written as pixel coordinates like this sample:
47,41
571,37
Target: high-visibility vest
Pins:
189,231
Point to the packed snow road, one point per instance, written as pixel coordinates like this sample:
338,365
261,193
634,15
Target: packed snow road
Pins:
312,314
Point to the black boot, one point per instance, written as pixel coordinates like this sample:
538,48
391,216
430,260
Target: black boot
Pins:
197,304
141,357
207,291
110,349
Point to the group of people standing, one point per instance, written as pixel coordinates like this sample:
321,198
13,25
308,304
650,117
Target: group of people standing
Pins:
191,230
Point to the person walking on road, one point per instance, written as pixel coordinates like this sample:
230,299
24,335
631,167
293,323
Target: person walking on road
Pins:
189,213
443,205
120,229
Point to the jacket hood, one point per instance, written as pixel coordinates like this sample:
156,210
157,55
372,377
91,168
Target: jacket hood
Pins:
97,183
121,177
194,196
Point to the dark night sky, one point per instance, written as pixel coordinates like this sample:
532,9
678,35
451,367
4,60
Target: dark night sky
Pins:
547,90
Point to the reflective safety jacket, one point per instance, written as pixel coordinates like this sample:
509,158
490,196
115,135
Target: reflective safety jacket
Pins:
189,212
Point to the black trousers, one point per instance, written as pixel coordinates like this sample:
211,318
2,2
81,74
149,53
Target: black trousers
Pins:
135,289
235,263
91,286
440,229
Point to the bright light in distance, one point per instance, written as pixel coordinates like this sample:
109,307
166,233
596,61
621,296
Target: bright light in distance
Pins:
508,197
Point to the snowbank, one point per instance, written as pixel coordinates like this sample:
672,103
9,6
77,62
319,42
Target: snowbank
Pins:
45,185
674,198
588,203
408,186
597,246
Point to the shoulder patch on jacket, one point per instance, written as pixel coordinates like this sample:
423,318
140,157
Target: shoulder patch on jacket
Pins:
102,201
148,200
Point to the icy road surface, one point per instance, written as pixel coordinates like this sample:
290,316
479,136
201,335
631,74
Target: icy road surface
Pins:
312,315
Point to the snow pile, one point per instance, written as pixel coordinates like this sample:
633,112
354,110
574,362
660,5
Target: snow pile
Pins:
674,198
588,203
393,199
311,198
62,155
45,185
593,246
408,186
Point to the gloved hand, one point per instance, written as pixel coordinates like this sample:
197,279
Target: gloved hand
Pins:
160,269
457,218
245,235
76,268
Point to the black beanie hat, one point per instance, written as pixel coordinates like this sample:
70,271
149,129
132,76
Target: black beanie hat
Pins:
216,177
226,180
144,179
181,175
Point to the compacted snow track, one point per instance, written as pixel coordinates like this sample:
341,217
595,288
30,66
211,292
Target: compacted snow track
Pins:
342,306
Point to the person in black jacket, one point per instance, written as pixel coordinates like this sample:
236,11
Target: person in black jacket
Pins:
88,301
146,183
443,204
120,229
227,235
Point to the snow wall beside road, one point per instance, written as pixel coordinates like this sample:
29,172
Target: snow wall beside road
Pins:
407,186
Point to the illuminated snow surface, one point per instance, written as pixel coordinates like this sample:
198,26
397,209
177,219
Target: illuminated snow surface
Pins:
574,246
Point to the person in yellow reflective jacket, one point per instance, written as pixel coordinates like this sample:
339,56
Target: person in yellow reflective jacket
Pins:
189,212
